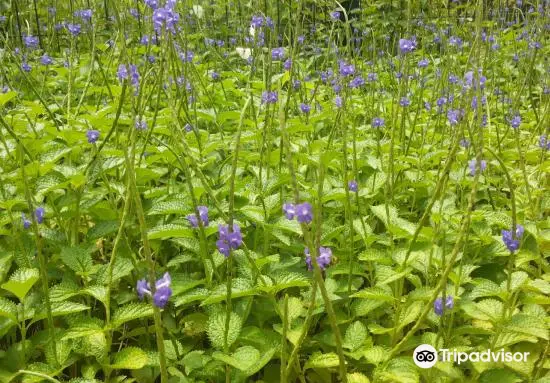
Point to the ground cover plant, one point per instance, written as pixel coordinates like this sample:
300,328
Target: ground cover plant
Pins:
275,191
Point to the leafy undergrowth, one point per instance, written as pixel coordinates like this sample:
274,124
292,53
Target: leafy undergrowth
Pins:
282,192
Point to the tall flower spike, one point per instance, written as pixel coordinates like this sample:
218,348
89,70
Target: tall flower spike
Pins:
304,212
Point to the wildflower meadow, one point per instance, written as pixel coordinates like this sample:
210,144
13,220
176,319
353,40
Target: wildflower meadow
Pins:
274,191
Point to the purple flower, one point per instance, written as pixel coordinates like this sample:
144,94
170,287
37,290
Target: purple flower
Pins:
453,116
511,241
305,108
203,215
26,222
31,41
143,287
338,101
323,259
427,106
404,102
289,210
357,82
165,17
345,68
161,296
122,72
140,125
407,46
464,143
515,121
92,136
74,29
438,305
39,214
227,240
352,186
287,64
335,15
377,122
278,53
296,84
26,67
257,21
46,60
301,39
85,14
153,4
269,97
423,63
215,76
188,127
134,76
372,77
304,212
544,142
472,165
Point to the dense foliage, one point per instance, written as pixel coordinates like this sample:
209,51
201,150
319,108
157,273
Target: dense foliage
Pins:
276,191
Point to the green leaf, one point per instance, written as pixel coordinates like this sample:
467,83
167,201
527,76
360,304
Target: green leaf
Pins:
216,329
170,207
243,358
318,360
21,281
378,293
357,377
376,355
130,358
529,325
170,231
356,335
253,213
130,312
77,259
411,313
499,375
8,309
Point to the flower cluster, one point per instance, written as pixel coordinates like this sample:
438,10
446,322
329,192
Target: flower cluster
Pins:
227,240
352,186
269,97
126,72
407,46
302,211
438,304
544,142
323,260
512,241
162,294
203,216
472,165
39,215
92,136
165,18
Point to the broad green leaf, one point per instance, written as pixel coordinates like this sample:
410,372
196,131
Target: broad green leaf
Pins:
130,312
216,329
130,358
318,360
77,258
21,281
243,358
8,309
379,293
357,377
170,231
356,335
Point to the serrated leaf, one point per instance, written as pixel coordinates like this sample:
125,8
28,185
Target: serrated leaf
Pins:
376,355
485,288
499,375
216,329
21,281
357,377
130,312
170,207
243,358
528,324
318,360
130,358
170,231
356,335
77,258
378,293
8,309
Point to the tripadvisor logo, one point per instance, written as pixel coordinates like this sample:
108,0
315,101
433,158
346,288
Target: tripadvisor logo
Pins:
426,356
